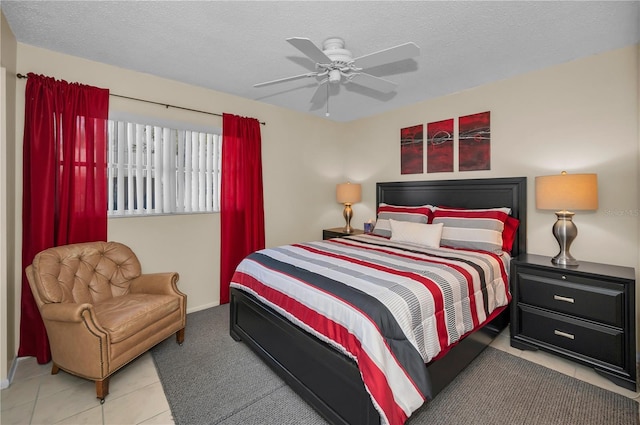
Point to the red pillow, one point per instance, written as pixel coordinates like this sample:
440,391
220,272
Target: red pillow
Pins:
509,233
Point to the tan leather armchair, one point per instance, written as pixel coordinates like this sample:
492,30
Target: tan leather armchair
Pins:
100,311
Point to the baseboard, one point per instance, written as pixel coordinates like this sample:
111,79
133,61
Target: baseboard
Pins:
201,307
12,371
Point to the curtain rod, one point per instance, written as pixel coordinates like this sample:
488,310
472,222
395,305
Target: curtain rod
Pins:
155,103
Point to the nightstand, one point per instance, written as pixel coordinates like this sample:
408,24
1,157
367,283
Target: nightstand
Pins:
338,232
584,313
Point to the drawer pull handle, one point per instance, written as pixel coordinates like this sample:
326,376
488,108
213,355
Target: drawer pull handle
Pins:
565,299
564,334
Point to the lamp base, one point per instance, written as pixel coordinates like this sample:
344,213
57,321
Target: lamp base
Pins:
347,214
565,231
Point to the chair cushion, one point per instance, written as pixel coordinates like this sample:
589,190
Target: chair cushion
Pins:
128,314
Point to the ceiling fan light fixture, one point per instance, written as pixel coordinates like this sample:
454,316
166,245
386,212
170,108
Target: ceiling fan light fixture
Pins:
335,76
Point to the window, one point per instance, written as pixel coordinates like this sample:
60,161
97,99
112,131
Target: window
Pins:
159,170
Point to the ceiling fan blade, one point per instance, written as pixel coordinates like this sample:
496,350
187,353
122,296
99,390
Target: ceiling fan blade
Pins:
321,93
375,83
307,47
281,80
392,54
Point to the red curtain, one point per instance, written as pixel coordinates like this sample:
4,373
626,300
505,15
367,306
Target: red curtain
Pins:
241,199
64,182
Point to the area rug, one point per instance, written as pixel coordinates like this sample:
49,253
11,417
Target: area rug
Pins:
212,379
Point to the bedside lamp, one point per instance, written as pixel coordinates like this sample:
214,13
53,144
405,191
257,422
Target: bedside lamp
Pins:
347,194
565,192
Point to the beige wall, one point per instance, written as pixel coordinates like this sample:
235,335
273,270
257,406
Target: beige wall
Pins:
8,249
580,116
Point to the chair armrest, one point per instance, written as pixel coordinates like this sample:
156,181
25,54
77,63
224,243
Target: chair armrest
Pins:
79,344
156,283
66,312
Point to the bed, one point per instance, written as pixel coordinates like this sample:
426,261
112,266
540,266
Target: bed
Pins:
330,380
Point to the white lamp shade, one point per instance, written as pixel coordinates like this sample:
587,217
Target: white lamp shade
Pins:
566,192
348,193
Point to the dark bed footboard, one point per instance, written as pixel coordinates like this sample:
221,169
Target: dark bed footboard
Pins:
323,377
326,379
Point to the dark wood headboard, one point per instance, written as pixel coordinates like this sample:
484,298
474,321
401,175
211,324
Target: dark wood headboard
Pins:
473,193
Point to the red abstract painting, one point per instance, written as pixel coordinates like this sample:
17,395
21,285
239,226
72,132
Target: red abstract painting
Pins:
440,146
474,137
411,150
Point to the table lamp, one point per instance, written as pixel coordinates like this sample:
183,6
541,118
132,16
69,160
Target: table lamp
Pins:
348,194
564,192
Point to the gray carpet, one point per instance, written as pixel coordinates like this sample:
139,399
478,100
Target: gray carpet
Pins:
213,379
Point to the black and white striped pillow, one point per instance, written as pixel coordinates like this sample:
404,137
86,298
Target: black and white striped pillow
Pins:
419,214
479,229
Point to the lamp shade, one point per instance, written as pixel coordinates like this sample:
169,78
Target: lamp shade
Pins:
348,193
564,192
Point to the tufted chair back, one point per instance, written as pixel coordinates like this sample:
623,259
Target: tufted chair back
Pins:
90,272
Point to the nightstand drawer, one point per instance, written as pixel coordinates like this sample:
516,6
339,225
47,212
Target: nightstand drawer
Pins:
588,298
589,339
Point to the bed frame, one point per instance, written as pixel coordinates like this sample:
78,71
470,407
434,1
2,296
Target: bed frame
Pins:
326,379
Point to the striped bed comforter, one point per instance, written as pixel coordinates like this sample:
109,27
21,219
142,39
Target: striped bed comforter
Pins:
391,307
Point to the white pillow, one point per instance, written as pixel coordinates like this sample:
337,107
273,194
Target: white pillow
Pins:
417,233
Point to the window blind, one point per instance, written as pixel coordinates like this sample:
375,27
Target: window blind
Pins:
160,170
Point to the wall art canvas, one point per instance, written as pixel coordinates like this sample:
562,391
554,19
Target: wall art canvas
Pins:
474,142
440,146
412,150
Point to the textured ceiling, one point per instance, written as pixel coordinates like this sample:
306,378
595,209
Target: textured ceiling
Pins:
229,46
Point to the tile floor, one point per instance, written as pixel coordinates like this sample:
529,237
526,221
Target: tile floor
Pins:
136,396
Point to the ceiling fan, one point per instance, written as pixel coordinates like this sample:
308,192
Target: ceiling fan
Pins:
335,64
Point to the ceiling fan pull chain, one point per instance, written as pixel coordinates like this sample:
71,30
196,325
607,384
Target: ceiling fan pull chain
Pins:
327,113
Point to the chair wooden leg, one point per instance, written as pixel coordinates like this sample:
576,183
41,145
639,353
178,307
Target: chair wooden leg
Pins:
54,369
102,389
180,336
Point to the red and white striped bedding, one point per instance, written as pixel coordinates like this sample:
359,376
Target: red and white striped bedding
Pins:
391,307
